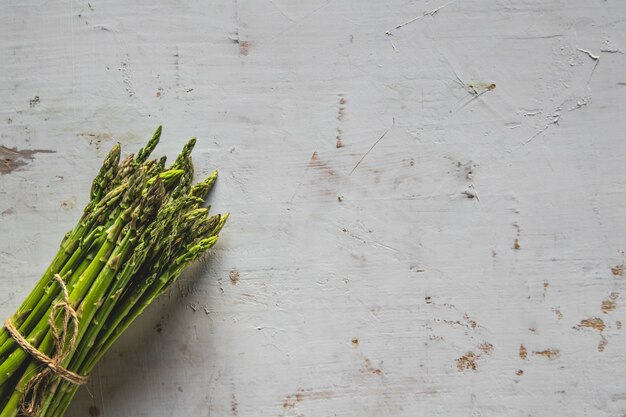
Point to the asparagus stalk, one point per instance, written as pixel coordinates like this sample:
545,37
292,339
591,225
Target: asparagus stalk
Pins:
142,227
212,228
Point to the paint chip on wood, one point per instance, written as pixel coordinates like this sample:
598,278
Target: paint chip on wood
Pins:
14,158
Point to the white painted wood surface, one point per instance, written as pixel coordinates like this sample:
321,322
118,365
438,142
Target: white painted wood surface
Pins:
470,265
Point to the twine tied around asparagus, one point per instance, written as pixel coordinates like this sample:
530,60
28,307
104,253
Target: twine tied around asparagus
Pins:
33,395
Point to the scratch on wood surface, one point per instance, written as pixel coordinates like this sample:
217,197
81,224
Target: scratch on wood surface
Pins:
596,61
553,119
580,102
588,53
475,90
297,22
281,11
555,116
372,242
423,15
302,178
369,150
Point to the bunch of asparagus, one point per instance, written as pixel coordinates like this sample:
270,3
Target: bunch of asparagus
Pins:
142,226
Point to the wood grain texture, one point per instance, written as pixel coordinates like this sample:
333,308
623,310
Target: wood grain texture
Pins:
470,265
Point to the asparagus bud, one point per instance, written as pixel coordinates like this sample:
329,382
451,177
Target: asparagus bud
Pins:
144,153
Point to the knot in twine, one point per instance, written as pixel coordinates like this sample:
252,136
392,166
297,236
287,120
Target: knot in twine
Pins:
33,395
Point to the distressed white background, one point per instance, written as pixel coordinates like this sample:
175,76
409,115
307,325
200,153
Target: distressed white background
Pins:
486,219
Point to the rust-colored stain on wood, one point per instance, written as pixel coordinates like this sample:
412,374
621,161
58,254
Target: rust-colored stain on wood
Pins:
234,277
292,399
234,405
342,107
618,270
602,344
300,395
315,162
548,353
244,48
471,323
467,362
371,368
338,141
523,353
593,323
558,313
609,303
486,347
